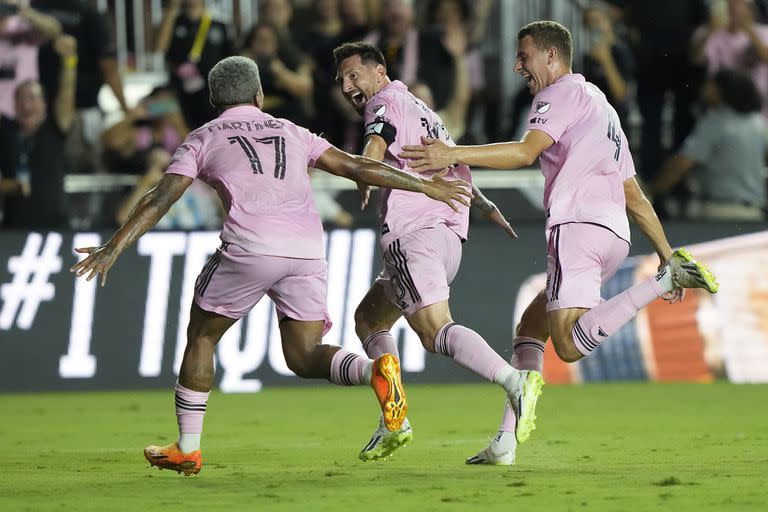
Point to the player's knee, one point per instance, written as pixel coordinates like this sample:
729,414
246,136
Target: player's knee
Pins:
365,325
566,349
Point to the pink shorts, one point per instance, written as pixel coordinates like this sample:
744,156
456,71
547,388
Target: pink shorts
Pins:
419,267
580,257
234,280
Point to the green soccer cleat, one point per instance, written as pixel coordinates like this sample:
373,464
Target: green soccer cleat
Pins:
523,401
383,442
689,273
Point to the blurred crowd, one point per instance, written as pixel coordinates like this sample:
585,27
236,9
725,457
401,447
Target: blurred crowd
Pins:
688,78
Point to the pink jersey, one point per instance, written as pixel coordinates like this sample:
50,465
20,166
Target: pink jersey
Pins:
258,166
734,50
401,119
584,170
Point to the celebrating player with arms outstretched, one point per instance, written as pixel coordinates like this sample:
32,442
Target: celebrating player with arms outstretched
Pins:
589,190
421,245
272,243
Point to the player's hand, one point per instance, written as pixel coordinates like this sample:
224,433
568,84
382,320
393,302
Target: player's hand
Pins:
365,193
99,261
65,45
448,191
498,218
433,155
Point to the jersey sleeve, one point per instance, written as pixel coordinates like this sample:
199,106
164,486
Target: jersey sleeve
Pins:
552,112
187,159
382,118
315,145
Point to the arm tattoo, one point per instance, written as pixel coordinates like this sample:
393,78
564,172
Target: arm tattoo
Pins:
481,202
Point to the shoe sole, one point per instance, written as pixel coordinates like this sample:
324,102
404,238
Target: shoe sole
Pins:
526,422
187,467
399,440
394,404
706,274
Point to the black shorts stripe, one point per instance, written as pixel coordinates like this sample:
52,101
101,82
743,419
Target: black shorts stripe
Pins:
557,278
205,278
401,263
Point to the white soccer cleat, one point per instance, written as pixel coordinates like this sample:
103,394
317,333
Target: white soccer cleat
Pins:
689,273
383,442
523,398
499,452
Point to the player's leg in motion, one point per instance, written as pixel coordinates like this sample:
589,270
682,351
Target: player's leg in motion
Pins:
192,390
527,354
374,318
576,332
421,266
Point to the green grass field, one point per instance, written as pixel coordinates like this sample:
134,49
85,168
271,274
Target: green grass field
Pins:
598,447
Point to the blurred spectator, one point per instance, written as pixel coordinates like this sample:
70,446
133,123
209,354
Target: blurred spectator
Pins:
608,63
279,14
725,153
331,212
22,30
454,115
455,22
198,208
356,19
661,32
192,43
412,55
155,123
735,41
287,82
32,150
97,65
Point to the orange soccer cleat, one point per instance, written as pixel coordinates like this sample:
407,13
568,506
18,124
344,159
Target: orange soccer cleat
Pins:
388,386
171,457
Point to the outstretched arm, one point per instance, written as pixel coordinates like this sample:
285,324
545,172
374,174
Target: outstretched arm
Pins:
641,211
371,172
145,214
435,154
491,211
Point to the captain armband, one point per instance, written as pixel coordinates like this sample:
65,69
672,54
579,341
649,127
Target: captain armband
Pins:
381,128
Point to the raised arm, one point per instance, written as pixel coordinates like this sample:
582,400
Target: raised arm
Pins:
147,212
46,26
371,172
642,213
435,154
165,31
64,104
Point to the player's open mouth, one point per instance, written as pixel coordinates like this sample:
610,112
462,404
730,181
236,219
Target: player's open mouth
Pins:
357,98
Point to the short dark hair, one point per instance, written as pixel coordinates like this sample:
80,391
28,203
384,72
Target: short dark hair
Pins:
366,51
738,91
546,34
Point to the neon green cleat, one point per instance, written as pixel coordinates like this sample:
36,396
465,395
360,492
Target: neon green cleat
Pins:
383,442
523,401
689,273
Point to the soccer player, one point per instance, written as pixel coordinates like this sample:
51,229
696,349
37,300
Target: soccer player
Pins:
589,190
421,244
272,242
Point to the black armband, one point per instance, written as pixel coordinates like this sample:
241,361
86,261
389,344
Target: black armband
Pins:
382,128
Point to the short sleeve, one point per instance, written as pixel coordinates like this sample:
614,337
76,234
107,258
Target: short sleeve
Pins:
187,159
552,112
315,145
698,146
382,119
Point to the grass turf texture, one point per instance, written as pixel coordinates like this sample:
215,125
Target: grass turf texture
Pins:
598,447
